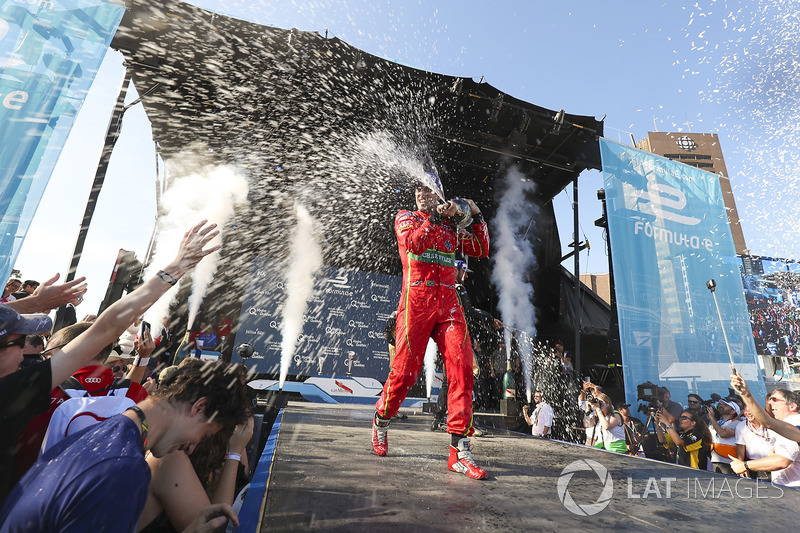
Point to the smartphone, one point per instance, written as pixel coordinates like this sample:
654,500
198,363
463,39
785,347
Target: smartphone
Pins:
145,327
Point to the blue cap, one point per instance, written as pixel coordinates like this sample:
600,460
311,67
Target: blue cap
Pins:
12,323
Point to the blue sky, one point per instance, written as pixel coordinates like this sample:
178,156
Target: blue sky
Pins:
712,66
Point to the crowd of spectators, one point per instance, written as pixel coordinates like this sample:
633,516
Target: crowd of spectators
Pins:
84,426
776,328
734,435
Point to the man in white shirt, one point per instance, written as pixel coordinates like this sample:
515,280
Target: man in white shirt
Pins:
784,462
541,421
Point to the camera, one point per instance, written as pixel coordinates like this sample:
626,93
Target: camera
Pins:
648,392
245,350
714,399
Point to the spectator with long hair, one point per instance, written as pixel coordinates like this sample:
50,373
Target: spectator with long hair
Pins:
610,429
693,440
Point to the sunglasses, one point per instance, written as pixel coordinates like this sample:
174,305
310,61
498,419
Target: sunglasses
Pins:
686,418
693,401
117,368
20,343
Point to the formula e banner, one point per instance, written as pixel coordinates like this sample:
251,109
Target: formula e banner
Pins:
342,328
669,236
50,51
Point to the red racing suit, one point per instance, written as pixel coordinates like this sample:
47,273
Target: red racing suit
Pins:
429,308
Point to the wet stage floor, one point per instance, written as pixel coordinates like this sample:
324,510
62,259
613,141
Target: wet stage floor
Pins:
325,477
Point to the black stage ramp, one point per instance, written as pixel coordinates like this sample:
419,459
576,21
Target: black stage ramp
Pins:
325,477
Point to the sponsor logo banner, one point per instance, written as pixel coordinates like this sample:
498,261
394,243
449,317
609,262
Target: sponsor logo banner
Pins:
347,313
669,235
50,51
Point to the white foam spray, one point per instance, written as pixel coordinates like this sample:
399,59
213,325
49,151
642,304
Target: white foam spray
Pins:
430,364
304,263
195,192
514,259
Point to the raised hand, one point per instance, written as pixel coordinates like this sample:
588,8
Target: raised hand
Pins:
191,250
49,296
241,436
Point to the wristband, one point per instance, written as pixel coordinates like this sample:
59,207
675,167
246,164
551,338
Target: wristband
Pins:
140,361
435,218
745,466
166,277
233,456
477,218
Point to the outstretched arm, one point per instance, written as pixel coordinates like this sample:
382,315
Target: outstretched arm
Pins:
779,426
48,296
119,316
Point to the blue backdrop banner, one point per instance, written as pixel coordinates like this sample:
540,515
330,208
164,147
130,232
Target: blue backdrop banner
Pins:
669,236
50,51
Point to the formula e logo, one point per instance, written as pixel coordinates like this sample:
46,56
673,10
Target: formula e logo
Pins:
340,281
92,380
662,201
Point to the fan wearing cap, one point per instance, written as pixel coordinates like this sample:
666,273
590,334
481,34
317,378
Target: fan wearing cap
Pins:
22,392
633,430
427,241
723,433
118,363
13,329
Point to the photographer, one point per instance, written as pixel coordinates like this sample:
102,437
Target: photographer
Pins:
610,431
673,408
694,403
588,392
723,433
693,440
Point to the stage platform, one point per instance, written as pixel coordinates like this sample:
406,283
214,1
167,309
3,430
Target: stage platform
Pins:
324,476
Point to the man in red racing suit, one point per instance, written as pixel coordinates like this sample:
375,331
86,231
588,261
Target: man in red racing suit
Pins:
429,308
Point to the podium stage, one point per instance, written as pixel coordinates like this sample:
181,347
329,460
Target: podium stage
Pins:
324,476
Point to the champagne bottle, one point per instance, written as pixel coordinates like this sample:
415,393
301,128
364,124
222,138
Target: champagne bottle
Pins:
508,382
